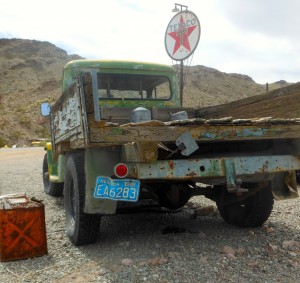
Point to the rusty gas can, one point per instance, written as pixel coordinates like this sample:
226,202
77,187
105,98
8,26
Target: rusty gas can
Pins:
22,228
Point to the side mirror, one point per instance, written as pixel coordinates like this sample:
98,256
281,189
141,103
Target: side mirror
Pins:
45,109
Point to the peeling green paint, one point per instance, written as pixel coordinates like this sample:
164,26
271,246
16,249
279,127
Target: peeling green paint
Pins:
230,168
116,131
241,133
208,135
258,132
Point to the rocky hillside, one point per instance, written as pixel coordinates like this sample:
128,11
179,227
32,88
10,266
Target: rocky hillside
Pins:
30,72
206,86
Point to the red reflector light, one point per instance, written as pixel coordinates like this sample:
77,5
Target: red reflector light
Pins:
121,170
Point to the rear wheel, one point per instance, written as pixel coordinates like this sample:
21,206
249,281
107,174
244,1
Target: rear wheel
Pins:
250,212
81,228
51,188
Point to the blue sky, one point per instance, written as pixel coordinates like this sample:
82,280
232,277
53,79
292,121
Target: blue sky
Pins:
256,38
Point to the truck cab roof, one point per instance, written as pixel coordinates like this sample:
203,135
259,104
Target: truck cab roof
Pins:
120,65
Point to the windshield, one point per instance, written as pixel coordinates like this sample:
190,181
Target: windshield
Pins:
120,86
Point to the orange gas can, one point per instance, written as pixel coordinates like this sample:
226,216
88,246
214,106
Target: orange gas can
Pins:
22,228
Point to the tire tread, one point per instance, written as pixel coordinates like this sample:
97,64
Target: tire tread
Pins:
259,205
86,225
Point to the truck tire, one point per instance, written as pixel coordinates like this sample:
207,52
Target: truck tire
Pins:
82,228
51,188
250,212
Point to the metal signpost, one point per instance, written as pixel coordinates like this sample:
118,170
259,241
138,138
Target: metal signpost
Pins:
182,37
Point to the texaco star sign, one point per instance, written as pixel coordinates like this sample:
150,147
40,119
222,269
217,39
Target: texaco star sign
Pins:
182,35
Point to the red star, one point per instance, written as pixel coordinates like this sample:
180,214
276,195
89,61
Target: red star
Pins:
182,36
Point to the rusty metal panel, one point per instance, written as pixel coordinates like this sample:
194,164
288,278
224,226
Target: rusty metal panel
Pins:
139,152
22,228
193,169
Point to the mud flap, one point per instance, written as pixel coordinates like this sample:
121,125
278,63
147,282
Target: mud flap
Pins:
99,162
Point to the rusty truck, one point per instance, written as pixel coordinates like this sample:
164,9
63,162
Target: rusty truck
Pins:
120,136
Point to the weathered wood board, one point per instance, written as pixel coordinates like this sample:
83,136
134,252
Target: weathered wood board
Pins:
202,130
279,103
66,119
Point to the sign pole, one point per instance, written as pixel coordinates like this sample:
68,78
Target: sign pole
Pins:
181,82
181,38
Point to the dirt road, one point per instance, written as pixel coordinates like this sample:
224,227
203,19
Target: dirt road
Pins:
153,246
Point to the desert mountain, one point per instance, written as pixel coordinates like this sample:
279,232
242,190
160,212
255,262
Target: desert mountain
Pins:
30,73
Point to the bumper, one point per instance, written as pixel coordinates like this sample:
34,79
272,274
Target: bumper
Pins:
198,169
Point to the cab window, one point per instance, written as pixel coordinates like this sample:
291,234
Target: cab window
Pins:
114,86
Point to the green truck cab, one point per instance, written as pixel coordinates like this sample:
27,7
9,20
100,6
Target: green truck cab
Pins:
119,136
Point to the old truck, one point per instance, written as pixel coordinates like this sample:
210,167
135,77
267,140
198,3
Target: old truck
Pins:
119,137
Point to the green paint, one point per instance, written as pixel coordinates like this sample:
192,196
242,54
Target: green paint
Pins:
116,131
229,167
78,67
208,135
52,165
214,168
243,133
139,103
121,66
252,132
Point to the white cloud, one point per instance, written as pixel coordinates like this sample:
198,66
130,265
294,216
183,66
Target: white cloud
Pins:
257,38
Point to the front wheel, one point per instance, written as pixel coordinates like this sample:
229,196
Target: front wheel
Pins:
250,212
81,228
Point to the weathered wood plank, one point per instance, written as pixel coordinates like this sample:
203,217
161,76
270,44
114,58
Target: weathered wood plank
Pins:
270,103
66,118
201,133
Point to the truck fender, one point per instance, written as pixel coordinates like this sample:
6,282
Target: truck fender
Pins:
99,162
55,167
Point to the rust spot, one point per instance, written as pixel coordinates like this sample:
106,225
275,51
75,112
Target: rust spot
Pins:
171,165
192,174
265,167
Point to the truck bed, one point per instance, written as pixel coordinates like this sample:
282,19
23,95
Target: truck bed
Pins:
74,130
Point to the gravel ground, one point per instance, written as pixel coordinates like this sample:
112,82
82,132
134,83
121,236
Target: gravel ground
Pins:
138,248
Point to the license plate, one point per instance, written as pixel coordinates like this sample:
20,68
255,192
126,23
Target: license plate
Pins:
115,189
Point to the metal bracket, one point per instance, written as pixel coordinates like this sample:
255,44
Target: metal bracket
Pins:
233,185
186,144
